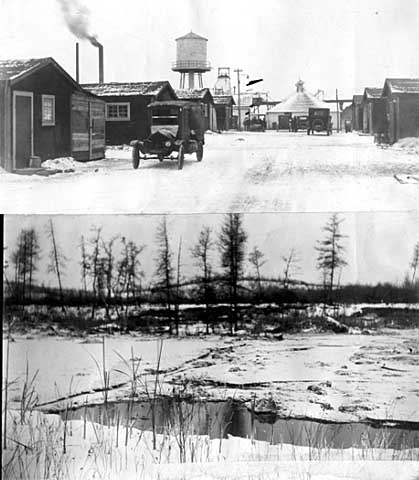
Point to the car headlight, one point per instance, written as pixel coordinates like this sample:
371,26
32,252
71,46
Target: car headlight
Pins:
168,143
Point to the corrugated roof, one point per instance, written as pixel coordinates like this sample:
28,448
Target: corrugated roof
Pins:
125,89
373,92
223,99
193,35
403,85
299,103
197,94
12,69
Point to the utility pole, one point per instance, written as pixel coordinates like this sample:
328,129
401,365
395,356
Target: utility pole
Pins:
239,123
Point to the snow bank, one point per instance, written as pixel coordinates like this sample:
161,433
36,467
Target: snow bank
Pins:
62,163
409,144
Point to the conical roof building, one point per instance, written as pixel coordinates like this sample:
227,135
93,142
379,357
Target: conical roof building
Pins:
299,102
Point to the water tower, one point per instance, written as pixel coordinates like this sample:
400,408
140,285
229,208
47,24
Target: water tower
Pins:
223,83
191,59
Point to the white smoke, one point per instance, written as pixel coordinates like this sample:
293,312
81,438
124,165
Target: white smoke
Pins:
77,18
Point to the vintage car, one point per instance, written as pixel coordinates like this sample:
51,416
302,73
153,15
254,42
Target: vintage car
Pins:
255,124
175,126
319,120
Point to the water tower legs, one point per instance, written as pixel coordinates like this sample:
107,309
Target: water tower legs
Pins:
191,80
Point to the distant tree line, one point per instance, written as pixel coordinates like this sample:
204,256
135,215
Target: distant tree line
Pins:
112,277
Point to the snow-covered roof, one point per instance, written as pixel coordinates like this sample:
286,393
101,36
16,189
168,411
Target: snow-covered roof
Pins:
403,85
191,35
197,94
126,89
299,102
373,92
11,69
223,99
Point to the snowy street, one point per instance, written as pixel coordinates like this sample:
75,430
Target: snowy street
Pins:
249,172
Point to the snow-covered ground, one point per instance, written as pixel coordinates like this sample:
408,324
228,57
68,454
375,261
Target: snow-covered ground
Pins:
93,451
249,172
321,376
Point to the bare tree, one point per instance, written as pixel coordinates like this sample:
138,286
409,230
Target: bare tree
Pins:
164,266
109,265
84,263
414,264
330,254
57,261
178,269
201,252
95,266
33,252
256,258
291,266
232,243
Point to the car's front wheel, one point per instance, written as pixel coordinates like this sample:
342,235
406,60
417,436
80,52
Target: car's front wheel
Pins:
200,152
135,156
181,157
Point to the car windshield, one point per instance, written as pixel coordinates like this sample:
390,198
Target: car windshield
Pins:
161,116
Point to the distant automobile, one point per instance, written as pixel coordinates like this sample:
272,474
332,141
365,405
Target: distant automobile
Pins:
319,120
176,126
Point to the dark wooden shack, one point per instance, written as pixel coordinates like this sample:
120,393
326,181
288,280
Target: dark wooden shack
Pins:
37,99
203,96
370,102
400,108
357,115
126,107
223,105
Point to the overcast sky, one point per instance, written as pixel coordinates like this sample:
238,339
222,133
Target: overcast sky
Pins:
379,246
330,44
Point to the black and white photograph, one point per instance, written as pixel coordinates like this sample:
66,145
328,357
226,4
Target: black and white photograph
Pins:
222,106
209,225
168,346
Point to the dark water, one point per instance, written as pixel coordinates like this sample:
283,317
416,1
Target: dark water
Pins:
219,419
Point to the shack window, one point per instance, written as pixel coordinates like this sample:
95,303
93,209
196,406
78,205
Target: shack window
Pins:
48,110
118,111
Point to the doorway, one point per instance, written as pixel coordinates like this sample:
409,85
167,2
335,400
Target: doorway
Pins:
22,129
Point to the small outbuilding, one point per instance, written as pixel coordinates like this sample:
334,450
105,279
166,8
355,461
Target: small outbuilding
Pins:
45,114
370,102
400,108
203,96
126,107
357,113
223,105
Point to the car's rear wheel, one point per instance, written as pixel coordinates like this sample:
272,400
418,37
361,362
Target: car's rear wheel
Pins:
135,156
180,157
160,157
200,152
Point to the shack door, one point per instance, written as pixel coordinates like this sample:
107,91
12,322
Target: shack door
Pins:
87,128
22,128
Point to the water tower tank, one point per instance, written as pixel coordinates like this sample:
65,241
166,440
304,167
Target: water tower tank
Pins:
191,58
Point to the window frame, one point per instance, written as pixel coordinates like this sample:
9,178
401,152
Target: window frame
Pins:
44,122
118,118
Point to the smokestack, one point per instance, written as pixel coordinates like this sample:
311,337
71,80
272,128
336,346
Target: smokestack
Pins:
77,63
100,48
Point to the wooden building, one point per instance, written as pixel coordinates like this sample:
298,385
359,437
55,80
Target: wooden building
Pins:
370,100
357,114
400,108
126,107
223,105
39,103
203,96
